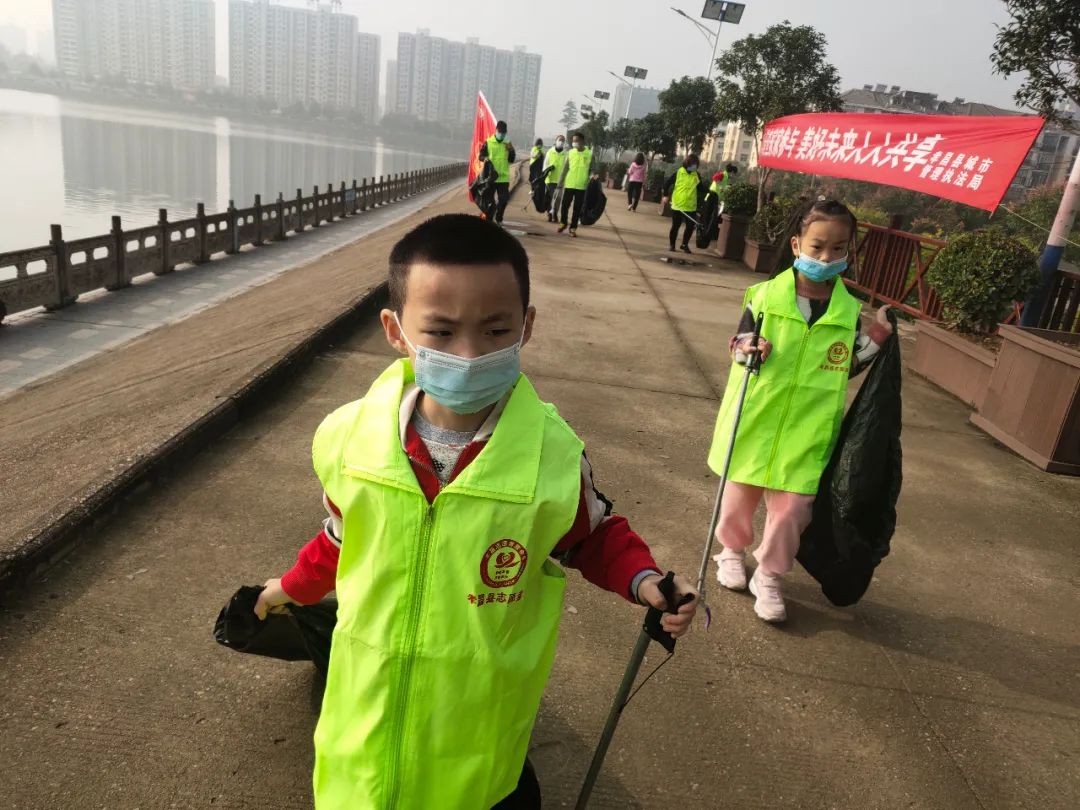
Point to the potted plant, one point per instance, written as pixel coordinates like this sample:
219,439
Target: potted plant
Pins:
766,230
740,203
978,276
654,185
616,173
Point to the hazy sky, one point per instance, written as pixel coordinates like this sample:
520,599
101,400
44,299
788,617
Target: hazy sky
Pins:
939,47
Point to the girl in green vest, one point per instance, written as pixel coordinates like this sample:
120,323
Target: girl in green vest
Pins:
682,187
812,343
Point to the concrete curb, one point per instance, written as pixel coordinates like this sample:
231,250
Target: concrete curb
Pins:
54,541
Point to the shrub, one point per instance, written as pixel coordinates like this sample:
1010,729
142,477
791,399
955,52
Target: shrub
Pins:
979,276
617,172
772,222
740,199
865,213
655,181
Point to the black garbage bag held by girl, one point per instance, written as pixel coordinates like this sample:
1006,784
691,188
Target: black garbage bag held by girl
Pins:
855,511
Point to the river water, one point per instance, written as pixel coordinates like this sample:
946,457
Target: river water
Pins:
77,164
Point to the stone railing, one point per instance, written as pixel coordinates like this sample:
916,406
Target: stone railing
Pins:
56,274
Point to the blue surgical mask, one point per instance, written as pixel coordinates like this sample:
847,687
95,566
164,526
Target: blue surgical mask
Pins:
500,136
692,167
465,384
817,270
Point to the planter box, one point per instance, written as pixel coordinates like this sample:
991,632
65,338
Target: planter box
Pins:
732,239
952,363
1032,405
759,257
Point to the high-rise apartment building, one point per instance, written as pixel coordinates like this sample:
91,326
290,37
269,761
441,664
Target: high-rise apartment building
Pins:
160,42
367,77
437,80
293,55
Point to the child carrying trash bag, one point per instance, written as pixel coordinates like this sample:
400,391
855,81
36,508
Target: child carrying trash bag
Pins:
453,494
811,344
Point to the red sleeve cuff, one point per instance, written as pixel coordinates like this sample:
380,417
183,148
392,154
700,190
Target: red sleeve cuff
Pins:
315,572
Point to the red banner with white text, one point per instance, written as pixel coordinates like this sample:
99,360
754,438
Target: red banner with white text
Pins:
483,128
971,159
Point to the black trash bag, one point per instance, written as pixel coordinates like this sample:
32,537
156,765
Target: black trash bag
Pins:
301,634
707,227
482,190
539,189
855,511
595,203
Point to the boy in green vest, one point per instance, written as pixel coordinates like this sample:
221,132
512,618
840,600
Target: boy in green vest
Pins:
575,177
454,494
793,408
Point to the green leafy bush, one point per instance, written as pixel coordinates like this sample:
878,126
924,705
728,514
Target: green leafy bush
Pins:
617,172
771,223
740,199
979,275
866,213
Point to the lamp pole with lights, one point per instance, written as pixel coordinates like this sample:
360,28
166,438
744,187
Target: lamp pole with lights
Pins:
722,12
634,73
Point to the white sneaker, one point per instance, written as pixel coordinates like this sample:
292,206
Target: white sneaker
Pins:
770,600
730,571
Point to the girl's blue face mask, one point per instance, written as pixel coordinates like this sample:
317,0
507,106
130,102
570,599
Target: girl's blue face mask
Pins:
817,270
465,384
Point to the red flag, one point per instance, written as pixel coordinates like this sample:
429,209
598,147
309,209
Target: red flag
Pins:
971,159
483,128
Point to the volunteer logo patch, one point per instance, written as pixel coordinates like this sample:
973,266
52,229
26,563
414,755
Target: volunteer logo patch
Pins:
503,564
838,353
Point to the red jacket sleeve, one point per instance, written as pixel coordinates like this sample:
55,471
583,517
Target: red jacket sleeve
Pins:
609,556
315,572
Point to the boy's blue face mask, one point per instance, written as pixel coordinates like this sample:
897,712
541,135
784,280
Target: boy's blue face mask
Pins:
817,270
500,136
465,384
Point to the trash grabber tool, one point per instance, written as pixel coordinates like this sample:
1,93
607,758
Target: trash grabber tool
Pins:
753,363
650,631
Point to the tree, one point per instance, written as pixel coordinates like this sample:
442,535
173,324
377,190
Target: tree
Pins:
653,137
688,107
781,72
595,130
622,136
1043,41
569,116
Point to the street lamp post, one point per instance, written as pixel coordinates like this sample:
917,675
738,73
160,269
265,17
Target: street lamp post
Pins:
722,12
634,73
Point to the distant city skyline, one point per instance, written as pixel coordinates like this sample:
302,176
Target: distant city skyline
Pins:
950,55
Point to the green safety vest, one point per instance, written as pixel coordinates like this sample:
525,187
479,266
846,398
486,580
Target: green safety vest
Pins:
580,162
556,159
448,612
794,406
536,152
684,197
499,156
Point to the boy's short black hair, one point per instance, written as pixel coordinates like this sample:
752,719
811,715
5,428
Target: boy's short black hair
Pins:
500,126
456,239
578,134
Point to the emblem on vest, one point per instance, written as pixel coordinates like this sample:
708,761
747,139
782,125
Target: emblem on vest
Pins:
836,358
503,564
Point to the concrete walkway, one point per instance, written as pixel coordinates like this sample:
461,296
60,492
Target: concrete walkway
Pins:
954,684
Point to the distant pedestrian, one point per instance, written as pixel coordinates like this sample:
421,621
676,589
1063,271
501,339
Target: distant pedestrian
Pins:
635,179
553,167
575,178
501,153
682,188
